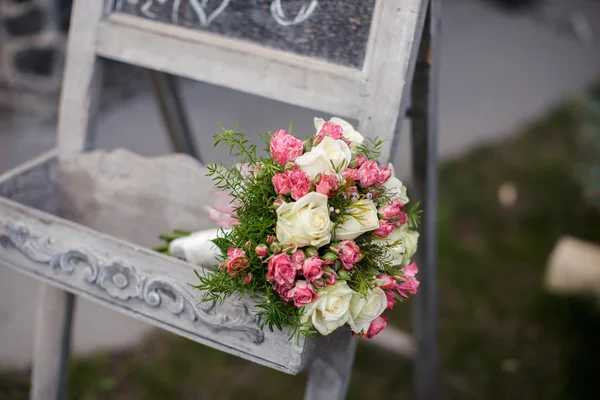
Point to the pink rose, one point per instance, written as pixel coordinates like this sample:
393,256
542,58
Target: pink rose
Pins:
411,269
330,278
271,239
327,184
236,261
319,283
391,210
285,147
385,228
410,284
386,282
313,268
223,212
300,183
303,293
377,325
369,173
300,190
384,174
281,270
330,129
349,254
247,278
402,219
360,160
285,292
262,250
282,183
351,174
391,299
298,260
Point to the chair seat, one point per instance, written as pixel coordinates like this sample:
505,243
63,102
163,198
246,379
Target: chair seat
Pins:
85,224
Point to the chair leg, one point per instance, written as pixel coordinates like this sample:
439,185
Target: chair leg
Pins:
424,143
52,346
170,104
330,372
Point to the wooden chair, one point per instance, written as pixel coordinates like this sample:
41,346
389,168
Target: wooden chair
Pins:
82,220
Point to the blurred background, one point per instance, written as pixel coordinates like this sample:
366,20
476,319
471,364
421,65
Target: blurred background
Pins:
519,146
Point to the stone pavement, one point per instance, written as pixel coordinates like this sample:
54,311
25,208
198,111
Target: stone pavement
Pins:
498,71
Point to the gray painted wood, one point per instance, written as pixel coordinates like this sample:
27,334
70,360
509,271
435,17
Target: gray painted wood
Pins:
424,142
387,69
330,371
82,84
54,323
129,278
80,98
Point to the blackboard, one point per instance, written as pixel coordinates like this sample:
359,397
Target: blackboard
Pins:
336,31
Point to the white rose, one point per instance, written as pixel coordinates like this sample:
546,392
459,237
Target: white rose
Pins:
348,130
407,245
395,188
331,310
329,157
305,222
363,310
362,218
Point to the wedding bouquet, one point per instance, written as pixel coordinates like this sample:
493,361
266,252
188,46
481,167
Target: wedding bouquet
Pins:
317,232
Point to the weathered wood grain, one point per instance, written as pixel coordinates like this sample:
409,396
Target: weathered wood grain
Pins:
390,58
235,64
82,85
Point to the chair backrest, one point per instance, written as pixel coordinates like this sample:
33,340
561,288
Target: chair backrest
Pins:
351,59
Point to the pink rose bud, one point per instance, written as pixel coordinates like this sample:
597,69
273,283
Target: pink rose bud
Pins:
411,269
259,173
385,228
311,252
369,173
271,239
312,268
402,219
350,254
281,270
285,292
282,183
331,278
327,185
343,275
408,284
262,250
248,278
304,293
319,283
330,256
236,262
360,160
391,210
277,203
298,260
377,325
386,282
275,248
332,130
391,299
285,147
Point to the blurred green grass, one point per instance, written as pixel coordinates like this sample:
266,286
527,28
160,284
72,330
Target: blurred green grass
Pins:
501,336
